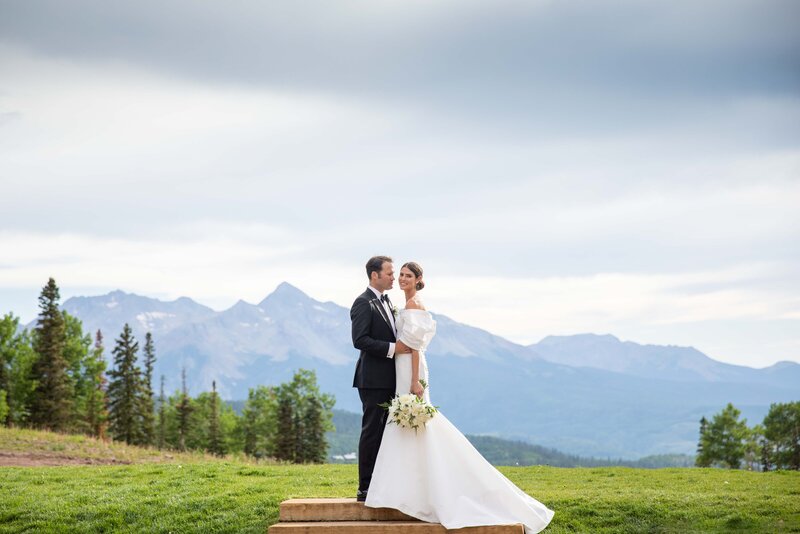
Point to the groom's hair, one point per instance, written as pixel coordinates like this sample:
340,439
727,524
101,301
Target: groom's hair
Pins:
375,264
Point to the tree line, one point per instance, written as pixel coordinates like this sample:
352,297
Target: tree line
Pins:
727,441
55,377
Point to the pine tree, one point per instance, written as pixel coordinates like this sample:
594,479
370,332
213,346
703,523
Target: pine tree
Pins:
314,447
51,405
299,453
215,444
124,390
248,422
285,437
96,405
147,407
77,354
162,417
312,416
258,426
184,410
701,460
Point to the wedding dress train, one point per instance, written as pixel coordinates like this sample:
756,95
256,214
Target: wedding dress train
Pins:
435,474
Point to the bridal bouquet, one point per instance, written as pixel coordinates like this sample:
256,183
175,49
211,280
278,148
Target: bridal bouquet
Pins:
410,411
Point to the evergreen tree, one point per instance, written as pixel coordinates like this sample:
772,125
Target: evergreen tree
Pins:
124,390
285,438
303,416
228,426
215,444
77,356
97,403
162,417
171,419
248,426
315,446
184,410
312,416
147,405
51,403
702,460
259,423
298,453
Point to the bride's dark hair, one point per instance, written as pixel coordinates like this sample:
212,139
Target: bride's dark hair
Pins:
417,270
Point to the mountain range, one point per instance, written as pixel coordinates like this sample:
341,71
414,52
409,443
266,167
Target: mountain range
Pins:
584,394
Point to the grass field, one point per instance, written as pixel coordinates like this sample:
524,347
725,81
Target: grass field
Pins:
197,493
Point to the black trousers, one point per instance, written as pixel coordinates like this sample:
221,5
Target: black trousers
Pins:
372,425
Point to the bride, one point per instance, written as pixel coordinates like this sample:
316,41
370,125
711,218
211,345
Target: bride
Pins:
436,475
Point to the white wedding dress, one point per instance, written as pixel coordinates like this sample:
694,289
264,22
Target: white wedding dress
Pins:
435,474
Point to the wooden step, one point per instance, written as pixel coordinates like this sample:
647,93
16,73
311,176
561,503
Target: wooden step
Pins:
337,510
385,527
347,516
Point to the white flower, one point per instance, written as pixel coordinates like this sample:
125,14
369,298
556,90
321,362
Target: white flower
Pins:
409,411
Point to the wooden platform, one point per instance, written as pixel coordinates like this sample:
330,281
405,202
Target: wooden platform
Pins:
336,510
346,516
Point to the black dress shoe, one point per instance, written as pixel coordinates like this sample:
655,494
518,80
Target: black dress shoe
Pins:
361,496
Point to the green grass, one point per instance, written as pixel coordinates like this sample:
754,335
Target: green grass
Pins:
192,493
49,444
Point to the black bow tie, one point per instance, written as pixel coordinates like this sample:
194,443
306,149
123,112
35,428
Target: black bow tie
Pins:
385,298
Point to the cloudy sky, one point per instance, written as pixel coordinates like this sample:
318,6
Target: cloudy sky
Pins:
557,167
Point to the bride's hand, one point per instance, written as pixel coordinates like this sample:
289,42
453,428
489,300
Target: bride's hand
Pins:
417,389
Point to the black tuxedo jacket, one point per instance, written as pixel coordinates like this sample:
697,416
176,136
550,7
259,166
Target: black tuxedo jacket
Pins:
372,333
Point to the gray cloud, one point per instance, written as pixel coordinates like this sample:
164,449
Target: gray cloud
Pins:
536,66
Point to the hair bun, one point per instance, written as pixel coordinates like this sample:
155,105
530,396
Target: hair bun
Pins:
420,285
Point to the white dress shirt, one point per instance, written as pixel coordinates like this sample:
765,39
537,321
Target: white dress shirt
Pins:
391,318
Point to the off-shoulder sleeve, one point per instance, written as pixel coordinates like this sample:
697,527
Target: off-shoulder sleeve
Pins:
417,330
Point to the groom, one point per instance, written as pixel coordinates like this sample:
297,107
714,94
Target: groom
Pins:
374,335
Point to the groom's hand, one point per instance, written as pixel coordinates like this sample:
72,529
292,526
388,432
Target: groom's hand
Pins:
401,348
